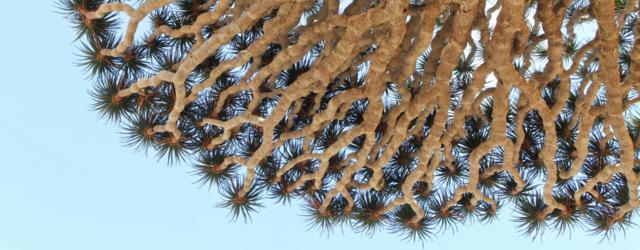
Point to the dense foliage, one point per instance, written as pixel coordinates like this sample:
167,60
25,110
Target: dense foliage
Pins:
410,116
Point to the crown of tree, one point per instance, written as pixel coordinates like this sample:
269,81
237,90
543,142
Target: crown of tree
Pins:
407,115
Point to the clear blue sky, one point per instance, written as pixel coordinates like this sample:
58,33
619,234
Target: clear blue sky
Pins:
66,181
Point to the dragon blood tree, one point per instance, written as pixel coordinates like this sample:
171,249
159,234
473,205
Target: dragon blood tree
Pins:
405,115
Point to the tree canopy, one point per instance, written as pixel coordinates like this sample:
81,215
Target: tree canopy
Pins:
412,116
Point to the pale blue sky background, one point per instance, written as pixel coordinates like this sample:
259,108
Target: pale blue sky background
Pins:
66,181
